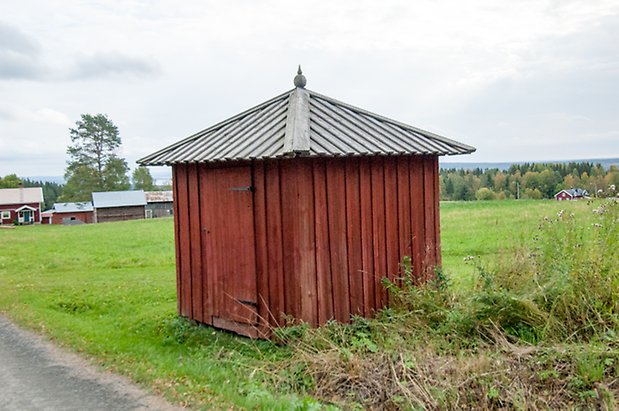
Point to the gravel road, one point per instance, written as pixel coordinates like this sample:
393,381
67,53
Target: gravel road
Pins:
36,375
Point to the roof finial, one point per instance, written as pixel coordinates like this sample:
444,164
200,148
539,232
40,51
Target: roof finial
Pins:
300,80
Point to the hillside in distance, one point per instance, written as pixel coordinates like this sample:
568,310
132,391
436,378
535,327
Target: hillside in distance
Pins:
445,163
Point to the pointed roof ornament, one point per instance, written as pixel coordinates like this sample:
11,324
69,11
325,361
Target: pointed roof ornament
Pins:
300,80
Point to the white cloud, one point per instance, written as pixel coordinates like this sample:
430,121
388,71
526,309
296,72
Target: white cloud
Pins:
39,115
18,54
104,64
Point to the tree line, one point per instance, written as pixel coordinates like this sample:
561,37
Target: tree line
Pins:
94,165
528,180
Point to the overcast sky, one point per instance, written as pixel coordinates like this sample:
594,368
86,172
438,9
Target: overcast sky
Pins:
519,80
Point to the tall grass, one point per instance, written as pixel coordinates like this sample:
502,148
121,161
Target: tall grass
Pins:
562,286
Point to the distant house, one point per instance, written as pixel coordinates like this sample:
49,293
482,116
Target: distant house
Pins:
46,216
159,204
118,205
73,213
571,194
21,205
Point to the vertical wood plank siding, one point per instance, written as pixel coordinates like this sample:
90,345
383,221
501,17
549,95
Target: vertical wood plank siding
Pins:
418,214
353,225
208,293
274,241
377,170
262,265
338,245
367,242
391,220
184,244
177,241
324,284
326,232
428,189
195,237
437,215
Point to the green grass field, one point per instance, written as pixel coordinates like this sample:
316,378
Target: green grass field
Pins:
108,291
492,229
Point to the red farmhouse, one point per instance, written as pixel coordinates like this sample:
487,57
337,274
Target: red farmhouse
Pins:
299,207
571,194
21,205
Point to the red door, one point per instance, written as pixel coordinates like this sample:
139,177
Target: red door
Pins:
230,254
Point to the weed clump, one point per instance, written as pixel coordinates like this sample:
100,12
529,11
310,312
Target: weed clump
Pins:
564,287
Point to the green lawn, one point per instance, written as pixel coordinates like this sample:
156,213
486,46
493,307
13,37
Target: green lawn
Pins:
492,229
108,291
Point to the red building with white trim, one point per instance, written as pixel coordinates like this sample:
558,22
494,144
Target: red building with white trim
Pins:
21,205
571,194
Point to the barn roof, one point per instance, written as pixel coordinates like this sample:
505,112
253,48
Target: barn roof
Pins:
73,207
303,122
118,199
21,195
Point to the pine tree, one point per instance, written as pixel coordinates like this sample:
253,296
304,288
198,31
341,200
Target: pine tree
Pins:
94,164
142,180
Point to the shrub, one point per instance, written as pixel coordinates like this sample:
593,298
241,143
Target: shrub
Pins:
564,286
532,193
577,270
485,193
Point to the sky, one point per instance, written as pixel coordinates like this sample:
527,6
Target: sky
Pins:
518,80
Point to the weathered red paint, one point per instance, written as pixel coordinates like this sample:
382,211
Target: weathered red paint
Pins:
83,216
12,209
307,238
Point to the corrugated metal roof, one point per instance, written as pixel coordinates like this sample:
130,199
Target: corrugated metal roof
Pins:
73,207
21,195
159,196
118,199
304,122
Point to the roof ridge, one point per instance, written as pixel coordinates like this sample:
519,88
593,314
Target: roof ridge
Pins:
297,134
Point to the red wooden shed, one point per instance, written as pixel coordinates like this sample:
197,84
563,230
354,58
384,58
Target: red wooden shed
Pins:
299,207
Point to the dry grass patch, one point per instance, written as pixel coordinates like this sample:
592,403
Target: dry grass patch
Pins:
501,376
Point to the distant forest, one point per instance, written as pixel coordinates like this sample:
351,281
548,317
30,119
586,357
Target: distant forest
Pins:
528,180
